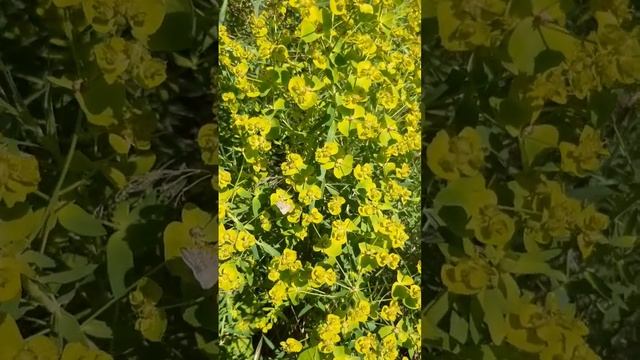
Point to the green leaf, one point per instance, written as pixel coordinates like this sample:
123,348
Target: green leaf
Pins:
69,276
345,126
223,11
310,354
68,327
119,144
97,329
279,104
434,313
525,44
511,289
62,82
492,303
537,139
255,204
468,193
345,168
598,284
73,218
560,39
624,241
308,31
11,338
119,262
531,263
40,260
458,328
269,249
101,102
177,29
340,353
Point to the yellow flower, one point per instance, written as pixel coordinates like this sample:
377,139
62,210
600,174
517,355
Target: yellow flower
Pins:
593,221
265,222
10,282
293,165
302,94
309,194
468,277
151,322
329,333
259,27
197,228
363,172
288,261
208,143
14,347
562,213
314,217
294,216
19,175
338,7
151,73
229,277
244,241
318,275
224,178
320,60
492,226
366,8
112,58
291,345
145,16
393,261
368,128
278,293
102,14
323,154
390,312
78,351
403,171
330,277
362,310
448,158
335,205
278,196
584,157
366,344
388,99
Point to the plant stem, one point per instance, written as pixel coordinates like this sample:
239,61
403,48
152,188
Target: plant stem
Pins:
106,306
56,192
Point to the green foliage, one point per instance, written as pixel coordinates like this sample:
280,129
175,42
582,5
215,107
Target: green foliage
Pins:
531,179
106,134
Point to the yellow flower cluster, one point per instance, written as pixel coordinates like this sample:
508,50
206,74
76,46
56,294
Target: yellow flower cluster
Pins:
548,331
329,333
322,141
461,155
120,60
151,320
508,173
372,349
586,156
115,55
291,345
19,175
232,241
469,276
563,216
39,347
